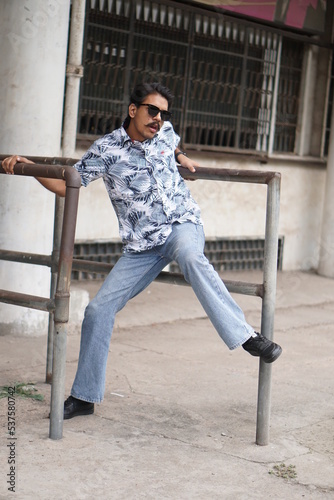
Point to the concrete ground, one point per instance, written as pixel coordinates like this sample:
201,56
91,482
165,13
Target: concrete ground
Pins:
179,416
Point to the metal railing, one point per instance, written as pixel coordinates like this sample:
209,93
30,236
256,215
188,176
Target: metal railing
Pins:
61,262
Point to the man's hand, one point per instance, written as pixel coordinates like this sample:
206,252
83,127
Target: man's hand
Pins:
56,186
188,163
9,163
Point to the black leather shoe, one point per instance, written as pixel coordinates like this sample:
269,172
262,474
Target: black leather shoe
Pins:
262,347
74,407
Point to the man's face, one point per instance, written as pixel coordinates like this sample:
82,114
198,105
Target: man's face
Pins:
142,125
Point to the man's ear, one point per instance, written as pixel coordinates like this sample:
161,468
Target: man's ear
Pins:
132,110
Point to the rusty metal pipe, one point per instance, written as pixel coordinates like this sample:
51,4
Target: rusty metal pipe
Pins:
219,174
230,175
25,257
61,304
66,173
62,296
253,289
268,308
57,230
47,160
25,300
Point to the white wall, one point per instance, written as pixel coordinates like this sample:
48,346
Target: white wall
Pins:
235,209
33,46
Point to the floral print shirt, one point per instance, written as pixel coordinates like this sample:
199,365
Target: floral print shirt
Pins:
143,183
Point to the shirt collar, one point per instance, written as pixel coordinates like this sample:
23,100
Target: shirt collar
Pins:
126,138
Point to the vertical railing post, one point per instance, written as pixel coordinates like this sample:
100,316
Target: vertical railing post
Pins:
58,223
268,306
61,317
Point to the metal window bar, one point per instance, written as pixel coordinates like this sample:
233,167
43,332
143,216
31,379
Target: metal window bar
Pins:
221,71
266,290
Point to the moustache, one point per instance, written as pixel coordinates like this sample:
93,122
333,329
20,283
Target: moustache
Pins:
154,124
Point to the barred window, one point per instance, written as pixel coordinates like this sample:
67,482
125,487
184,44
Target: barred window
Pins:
236,86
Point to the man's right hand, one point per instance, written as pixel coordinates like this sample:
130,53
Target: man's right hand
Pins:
56,186
9,163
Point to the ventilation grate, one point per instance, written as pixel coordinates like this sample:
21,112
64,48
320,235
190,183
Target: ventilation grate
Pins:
236,254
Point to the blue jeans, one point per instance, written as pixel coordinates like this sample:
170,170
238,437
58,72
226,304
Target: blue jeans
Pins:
132,274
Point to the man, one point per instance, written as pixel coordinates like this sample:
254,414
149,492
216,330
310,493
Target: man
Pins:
159,222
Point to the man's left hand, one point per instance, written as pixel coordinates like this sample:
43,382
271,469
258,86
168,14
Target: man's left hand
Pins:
188,163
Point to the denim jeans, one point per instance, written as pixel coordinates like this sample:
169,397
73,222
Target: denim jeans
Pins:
132,274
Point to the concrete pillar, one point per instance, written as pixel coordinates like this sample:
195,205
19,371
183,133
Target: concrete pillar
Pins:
326,259
33,48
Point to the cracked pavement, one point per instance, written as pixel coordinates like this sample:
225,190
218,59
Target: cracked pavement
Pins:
179,416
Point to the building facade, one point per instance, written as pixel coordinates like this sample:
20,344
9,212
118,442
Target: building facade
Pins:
249,94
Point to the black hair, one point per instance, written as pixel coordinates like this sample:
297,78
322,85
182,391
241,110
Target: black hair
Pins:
142,90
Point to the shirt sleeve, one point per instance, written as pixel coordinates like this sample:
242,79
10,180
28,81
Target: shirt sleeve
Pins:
176,138
169,135
92,165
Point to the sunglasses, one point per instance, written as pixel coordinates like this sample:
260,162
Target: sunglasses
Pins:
154,110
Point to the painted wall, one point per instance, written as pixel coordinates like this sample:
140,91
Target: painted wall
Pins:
234,209
31,101
301,14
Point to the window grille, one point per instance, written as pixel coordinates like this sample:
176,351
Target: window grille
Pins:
221,72
287,98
